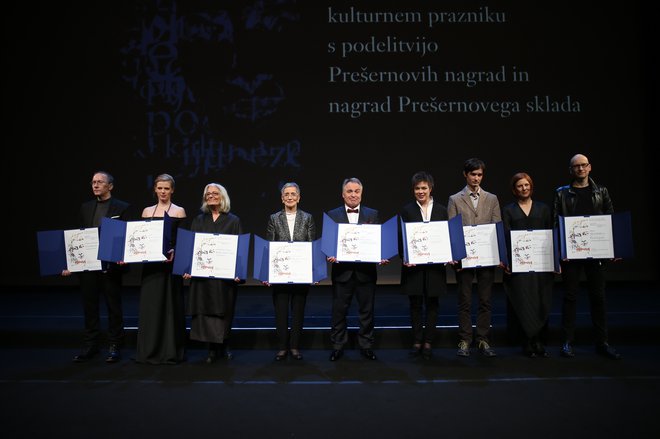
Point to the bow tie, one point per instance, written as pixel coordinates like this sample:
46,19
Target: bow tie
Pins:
352,210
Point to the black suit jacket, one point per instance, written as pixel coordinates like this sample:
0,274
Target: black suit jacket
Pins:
431,278
117,209
342,271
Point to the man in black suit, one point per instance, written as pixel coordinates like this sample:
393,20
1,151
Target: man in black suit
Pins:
353,278
107,282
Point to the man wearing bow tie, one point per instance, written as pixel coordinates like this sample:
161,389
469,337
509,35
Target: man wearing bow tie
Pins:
353,278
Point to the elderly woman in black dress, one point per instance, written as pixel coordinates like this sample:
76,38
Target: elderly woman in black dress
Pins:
211,302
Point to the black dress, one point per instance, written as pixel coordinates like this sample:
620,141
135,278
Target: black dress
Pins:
530,294
161,333
211,301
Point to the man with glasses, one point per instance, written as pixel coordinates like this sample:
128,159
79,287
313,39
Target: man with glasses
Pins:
107,282
583,197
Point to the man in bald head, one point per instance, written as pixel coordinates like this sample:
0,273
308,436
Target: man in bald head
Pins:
583,197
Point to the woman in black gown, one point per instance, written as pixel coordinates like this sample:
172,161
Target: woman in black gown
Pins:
211,302
530,294
162,325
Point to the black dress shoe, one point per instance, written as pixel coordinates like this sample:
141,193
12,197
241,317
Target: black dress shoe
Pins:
427,353
114,355
336,354
415,352
530,353
540,351
567,350
608,351
281,355
296,355
86,354
368,354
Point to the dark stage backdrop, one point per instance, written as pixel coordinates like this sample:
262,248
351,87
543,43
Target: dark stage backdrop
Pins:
256,93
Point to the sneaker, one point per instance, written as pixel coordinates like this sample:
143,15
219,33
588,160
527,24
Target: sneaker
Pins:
463,349
567,350
485,349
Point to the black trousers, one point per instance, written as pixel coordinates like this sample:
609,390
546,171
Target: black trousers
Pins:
94,285
342,295
285,298
595,276
423,323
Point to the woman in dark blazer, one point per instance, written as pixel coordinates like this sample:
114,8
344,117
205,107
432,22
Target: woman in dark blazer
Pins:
290,224
423,284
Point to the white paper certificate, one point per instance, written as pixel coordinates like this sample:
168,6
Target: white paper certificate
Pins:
214,256
589,237
428,243
144,241
358,242
290,262
82,248
532,250
480,246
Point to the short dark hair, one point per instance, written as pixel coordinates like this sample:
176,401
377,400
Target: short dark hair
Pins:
422,176
472,164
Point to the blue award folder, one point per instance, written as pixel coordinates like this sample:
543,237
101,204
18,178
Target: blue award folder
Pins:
113,238
622,241
456,239
262,256
185,244
388,233
52,252
52,246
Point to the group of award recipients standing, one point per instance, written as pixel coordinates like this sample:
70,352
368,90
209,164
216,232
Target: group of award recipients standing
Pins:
211,302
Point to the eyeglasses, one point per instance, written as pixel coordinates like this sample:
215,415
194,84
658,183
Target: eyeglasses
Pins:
212,194
99,182
580,166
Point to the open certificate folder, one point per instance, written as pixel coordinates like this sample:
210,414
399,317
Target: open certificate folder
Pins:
279,262
596,236
533,251
74,250
359,242
484,245
134,241
212,255
433,242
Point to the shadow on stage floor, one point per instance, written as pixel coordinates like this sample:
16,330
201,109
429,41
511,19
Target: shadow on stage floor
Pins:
43,392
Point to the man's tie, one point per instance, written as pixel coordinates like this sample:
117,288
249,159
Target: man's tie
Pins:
352,211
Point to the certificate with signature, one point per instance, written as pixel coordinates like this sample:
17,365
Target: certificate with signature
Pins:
358,242
144,241
134,241
589,237
290,262
481,246
82,248
428,243
214,255
532,250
